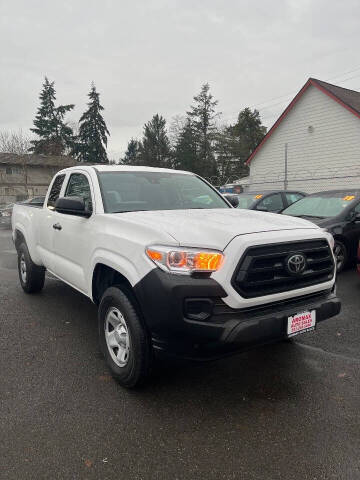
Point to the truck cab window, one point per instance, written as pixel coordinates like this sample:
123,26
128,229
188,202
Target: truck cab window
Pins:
55,191
78,186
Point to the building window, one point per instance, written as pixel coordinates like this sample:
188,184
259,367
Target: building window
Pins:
13,171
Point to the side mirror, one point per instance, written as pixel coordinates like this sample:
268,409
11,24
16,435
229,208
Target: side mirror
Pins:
72,206
232,199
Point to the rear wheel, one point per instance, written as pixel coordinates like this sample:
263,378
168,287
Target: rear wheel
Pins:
31,276
124,339
341,255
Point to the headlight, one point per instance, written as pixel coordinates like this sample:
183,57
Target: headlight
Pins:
185,260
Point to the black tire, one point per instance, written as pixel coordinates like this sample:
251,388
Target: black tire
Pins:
31,276
341,255
138,358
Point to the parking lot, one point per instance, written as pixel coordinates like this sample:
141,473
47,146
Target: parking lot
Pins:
286,411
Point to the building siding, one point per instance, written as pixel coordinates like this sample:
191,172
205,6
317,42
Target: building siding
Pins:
314,159
27,179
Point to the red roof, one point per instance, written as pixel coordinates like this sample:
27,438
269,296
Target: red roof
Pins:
349,99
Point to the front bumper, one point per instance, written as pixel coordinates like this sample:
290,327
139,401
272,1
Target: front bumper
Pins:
187,317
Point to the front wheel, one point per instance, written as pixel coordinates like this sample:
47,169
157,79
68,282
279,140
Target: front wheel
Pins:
341,255
124,339
31,276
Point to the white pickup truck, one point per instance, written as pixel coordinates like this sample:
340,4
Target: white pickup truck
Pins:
172,266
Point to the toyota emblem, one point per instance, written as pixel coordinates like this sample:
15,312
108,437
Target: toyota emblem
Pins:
296,264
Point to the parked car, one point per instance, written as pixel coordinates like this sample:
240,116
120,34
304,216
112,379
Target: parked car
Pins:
173,268
358,259
338,212
267,201
230,188
5,214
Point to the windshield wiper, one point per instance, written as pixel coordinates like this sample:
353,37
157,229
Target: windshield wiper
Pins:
308,216
127,211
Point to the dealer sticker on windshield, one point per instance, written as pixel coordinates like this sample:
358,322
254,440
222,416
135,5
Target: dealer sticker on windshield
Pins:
301,323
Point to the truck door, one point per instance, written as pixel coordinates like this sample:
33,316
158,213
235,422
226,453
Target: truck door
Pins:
44,235
72,235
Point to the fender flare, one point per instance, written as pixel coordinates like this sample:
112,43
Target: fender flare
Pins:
117,262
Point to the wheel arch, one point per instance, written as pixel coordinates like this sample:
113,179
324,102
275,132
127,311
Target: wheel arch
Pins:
105,276
19,238
341,238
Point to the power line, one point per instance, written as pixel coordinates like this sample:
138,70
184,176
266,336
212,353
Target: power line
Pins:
232,117
287,96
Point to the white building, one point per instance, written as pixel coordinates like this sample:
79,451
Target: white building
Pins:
321,128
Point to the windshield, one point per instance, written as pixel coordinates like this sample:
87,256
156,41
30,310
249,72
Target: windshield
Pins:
319,206
246,200
134,191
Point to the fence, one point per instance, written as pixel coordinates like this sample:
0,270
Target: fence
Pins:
307,180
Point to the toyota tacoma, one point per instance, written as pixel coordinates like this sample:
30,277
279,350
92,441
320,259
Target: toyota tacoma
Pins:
173,268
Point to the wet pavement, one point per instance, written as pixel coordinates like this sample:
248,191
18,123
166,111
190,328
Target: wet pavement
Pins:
286,411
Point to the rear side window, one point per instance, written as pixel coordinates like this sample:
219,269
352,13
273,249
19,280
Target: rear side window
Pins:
78,186
55,191
272,203
293,197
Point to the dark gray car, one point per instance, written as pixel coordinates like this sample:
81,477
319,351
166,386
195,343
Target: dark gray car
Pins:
267,201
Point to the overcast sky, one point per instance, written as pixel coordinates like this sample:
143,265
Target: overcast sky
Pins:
151,56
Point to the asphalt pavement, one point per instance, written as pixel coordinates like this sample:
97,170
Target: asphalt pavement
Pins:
286,411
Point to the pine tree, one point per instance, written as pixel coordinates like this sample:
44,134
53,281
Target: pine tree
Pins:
155,146
247,132
202,115
235,143
92,139
186,150
55,136
132,154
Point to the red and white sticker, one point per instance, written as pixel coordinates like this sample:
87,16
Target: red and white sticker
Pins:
301,323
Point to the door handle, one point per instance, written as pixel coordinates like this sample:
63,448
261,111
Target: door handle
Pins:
57,226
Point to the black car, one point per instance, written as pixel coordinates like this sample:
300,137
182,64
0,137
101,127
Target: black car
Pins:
337,211
267,201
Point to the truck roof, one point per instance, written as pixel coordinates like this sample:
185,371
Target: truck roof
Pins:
123,168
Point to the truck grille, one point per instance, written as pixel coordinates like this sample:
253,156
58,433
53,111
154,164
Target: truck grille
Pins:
264,270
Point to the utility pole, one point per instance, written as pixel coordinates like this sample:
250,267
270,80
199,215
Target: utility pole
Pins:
286,168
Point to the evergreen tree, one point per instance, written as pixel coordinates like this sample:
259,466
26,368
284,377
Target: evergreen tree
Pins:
55,136
247,133
92,139
132,154
202,116
155,146
186,150
235,143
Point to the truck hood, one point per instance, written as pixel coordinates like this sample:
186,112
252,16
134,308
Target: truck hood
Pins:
213,228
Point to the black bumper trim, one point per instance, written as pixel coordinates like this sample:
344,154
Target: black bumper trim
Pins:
163,296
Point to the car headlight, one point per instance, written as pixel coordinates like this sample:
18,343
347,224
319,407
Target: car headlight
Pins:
185,260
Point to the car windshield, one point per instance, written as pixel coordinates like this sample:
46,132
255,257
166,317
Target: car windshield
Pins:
320,206
246,200
134,191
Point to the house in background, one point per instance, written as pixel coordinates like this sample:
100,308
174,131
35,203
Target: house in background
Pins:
24,176
319,133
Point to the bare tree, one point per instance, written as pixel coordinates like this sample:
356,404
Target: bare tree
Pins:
12,141
177,124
